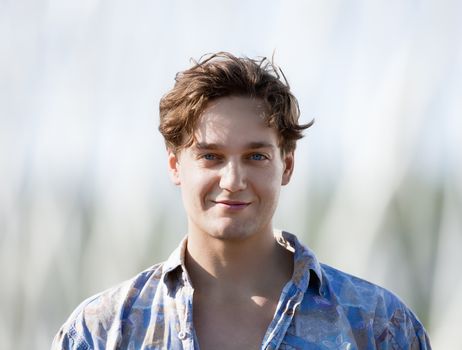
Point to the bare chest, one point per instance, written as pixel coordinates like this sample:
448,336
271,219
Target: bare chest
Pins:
233,325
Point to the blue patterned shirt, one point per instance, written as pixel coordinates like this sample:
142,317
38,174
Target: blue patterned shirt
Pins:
319,308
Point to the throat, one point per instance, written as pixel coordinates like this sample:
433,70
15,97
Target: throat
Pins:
236,295
228,266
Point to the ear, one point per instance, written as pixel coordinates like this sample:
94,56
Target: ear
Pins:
288,160
173,167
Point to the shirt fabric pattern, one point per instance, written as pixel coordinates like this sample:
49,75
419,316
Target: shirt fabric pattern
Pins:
319,308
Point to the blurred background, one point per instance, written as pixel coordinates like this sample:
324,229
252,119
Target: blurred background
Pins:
85,199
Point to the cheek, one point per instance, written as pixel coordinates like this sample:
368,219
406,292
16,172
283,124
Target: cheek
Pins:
196,184
270,186
271,179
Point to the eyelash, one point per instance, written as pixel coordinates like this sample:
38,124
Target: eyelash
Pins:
259,155
215,157
207,156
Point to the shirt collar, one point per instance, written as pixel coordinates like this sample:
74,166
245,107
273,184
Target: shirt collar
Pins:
174,264
306,265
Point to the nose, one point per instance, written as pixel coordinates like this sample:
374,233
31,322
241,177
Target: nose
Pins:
232,177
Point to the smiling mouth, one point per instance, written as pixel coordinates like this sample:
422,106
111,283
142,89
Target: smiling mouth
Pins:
232,204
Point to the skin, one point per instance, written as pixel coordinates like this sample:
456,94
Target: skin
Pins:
230,180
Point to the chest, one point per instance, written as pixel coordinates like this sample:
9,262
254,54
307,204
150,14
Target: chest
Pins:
232,324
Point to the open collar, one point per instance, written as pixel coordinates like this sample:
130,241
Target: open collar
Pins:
307,270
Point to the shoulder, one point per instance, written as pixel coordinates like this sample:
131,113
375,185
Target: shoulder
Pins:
352,291
393,323
100,317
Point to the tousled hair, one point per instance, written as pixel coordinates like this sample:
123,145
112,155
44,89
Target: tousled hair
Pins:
222,75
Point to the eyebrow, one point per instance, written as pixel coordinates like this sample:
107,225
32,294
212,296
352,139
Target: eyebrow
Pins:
251,145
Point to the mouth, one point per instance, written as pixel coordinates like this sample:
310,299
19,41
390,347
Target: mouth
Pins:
229,204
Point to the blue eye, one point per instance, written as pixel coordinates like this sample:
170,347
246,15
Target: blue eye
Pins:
209,156
258,156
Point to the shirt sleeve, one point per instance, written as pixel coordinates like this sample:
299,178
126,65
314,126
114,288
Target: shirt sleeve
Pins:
76,334
402,331
421,340
69,338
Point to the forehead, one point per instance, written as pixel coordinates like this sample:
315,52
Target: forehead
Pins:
230,105
233,118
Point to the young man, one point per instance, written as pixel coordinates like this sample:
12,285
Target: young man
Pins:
230,126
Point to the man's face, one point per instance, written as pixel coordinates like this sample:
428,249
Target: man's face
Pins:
231,175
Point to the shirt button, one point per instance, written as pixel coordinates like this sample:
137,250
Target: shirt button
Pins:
182,335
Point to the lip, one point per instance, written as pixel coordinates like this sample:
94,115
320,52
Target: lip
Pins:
230,204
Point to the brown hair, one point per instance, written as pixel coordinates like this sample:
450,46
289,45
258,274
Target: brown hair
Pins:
220,75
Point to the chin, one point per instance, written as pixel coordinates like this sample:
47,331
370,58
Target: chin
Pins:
233,232
235,236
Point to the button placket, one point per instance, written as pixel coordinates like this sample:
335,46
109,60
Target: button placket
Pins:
182,335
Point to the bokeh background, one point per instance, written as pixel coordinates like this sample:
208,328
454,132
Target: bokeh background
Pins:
85,199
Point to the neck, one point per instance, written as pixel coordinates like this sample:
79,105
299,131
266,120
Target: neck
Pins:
250,266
